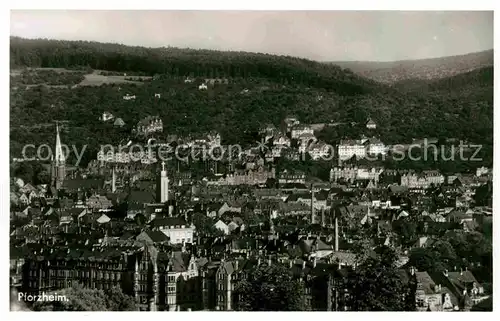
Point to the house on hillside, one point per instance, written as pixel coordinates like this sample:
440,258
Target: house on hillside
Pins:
371,124
107,116
129,97
150,124
119,122
299,130
202,87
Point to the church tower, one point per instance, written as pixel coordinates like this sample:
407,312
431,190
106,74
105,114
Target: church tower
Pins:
163,186
59,163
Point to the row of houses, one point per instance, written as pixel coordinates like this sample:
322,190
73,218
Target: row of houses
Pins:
184,280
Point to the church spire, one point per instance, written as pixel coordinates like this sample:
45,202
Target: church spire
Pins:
59,162
60,159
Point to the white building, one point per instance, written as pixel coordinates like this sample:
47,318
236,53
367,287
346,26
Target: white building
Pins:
281,140
202,87
175,228
348,148
107,116
482,171
222,227
371,124
376,147
129,97
320,150
422,180
150,124
300,130
371,174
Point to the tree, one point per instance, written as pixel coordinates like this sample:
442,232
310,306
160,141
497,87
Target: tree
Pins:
375,285
43,177
25,172
269,288
425,259
79,298
205,226
116,300
407,231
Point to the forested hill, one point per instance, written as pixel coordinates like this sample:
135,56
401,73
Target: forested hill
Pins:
423,69
261,89
36,53
476,79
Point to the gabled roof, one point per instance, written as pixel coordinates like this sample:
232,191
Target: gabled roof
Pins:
103,219
119,122
168,221
156,236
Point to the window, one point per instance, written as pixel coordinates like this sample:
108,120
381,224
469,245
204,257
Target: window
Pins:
171,289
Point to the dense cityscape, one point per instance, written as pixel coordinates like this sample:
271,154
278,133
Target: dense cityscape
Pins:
142,185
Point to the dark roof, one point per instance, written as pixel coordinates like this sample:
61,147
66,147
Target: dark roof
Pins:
485,305
168,221
84,184
157,236
141,197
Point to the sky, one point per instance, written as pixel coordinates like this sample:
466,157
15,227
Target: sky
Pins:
317,35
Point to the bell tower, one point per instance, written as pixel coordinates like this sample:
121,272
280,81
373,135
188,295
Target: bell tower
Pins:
163,186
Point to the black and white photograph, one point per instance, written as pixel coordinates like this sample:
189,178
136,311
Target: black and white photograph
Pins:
250,160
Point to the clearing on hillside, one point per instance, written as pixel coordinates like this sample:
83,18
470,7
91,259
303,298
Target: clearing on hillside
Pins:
96,79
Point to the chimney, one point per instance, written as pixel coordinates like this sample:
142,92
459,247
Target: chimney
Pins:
312,204
270,261
336,234
113,185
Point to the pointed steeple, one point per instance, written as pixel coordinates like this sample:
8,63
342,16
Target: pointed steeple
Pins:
60,159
